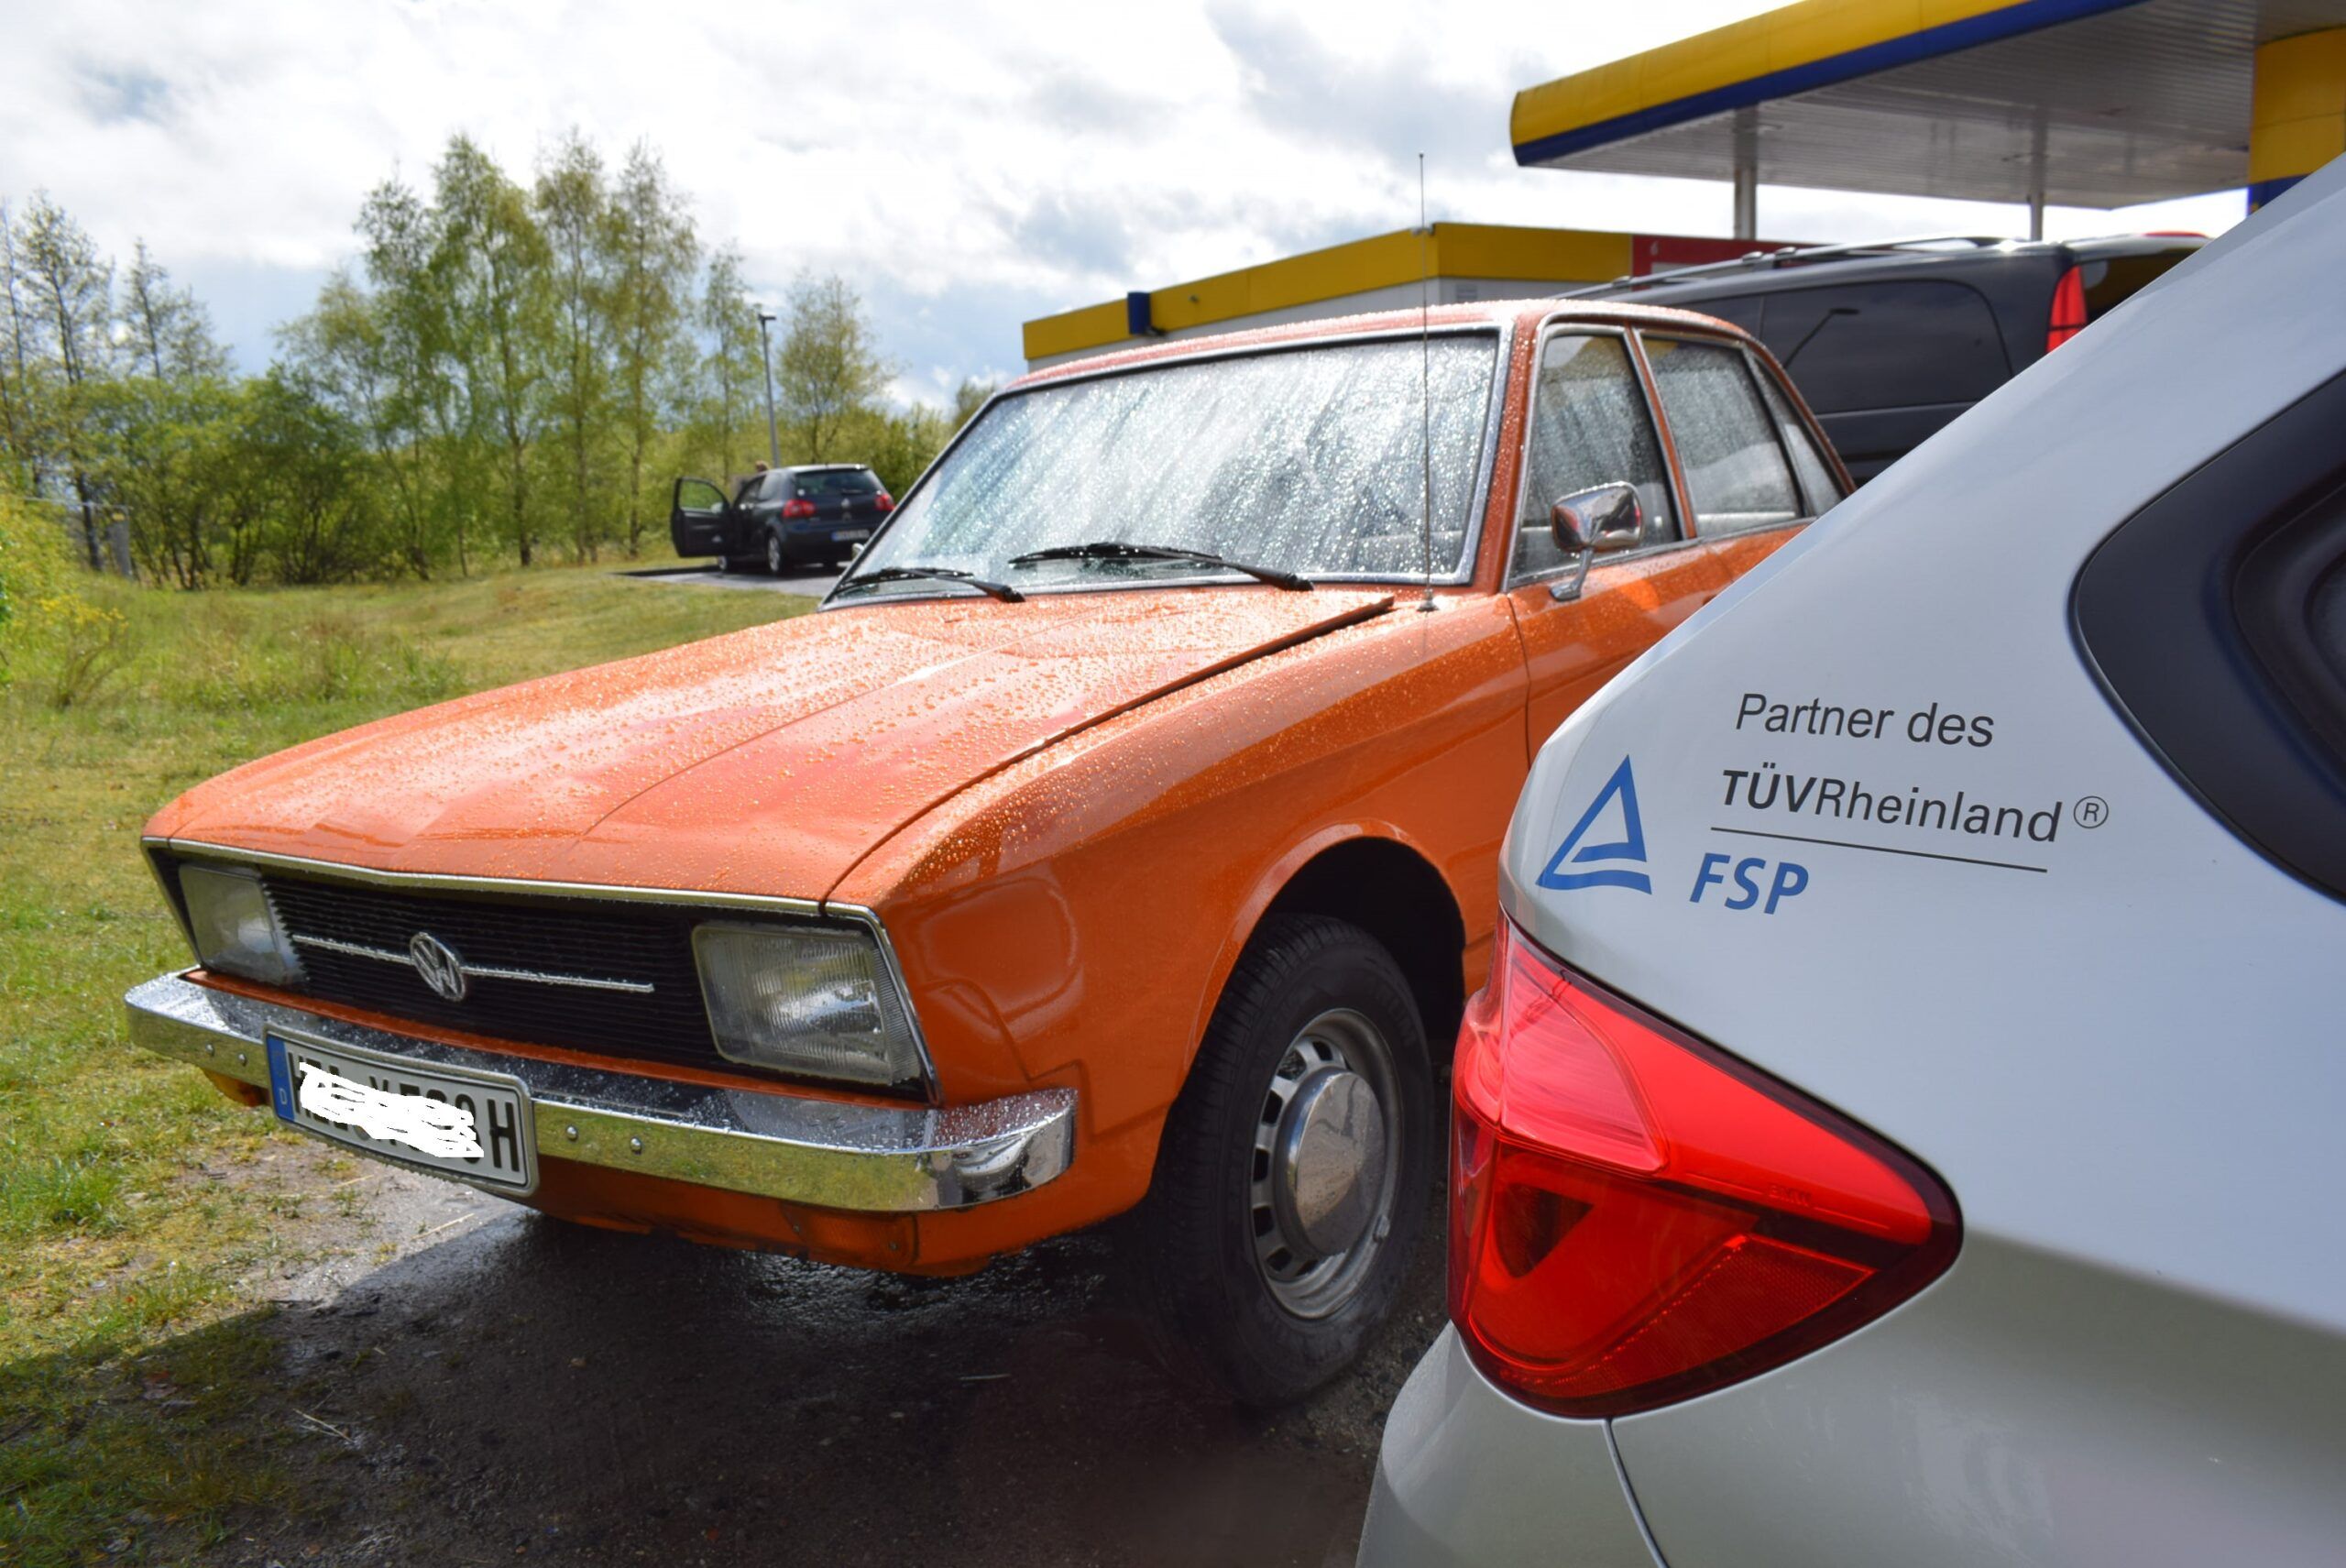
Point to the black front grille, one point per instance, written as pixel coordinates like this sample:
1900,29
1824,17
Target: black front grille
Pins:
600,939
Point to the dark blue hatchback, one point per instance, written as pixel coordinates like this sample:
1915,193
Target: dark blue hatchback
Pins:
808,514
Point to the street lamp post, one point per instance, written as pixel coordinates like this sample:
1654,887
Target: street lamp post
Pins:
765,357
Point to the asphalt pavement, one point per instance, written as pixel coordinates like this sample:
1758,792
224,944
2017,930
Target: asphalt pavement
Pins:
473,1383
815,581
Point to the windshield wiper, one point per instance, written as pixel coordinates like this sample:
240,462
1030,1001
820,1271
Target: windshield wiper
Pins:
1001,591
1118,550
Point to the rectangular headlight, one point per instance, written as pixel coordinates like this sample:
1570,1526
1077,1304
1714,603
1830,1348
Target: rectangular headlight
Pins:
809,1000
235,930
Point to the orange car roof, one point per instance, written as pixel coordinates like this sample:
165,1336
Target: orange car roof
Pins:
1522,313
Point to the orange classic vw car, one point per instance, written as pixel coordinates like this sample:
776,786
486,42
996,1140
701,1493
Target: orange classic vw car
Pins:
1122,831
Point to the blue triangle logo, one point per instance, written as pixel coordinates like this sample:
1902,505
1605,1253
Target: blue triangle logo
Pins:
1630,845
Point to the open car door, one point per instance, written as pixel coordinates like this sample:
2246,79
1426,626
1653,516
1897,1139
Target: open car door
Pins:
696,518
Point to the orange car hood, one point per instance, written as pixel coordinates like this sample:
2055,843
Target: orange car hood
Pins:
767,760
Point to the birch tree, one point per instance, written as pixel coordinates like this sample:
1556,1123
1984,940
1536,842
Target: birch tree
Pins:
574,210
21,443
426,404
167,331
828,367
71,288
492,261
732,391
655,257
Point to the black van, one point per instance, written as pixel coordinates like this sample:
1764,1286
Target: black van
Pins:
1888,342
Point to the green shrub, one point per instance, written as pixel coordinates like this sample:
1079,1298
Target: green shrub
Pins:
32,566
52,626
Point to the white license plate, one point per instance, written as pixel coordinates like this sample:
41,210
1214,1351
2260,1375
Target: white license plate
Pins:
844,534
482,1111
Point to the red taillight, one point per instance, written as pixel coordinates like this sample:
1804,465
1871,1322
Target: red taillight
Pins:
2068,309
885,502
1637,1217
800,507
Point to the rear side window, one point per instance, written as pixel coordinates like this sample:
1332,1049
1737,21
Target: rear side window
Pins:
2216,617
1736,476
2290,596
1589,426
2112,280
1887,346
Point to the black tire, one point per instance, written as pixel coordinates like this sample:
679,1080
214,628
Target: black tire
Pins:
724,563
1222,1303
777,558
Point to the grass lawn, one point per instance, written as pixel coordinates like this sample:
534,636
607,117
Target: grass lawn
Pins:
128,1348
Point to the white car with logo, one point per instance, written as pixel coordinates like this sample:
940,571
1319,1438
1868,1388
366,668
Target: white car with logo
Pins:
1904,1122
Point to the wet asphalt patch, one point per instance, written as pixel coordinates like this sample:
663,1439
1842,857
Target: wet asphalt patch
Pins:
509,1386
814,582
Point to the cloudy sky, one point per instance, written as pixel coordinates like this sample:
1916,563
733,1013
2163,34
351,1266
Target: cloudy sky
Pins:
967,165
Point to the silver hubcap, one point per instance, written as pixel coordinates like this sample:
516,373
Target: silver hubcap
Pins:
773,556
1325,1166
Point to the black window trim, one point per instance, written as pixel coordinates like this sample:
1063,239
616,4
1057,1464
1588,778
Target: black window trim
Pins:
2154,616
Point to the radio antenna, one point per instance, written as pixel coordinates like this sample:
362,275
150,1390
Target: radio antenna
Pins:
1425,391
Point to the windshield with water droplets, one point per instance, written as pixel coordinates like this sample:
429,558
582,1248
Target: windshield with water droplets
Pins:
1305,459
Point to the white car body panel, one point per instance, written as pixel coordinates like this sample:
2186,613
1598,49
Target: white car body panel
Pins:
1472,1477
2119,1046
2027,1409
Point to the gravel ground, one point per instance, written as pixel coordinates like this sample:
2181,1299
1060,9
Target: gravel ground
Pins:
488,1385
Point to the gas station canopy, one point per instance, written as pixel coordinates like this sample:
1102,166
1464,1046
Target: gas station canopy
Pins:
2084,102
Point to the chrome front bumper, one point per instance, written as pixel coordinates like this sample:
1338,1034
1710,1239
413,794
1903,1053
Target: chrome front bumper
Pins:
878,1159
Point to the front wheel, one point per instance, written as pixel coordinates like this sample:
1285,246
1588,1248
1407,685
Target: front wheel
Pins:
1297,1167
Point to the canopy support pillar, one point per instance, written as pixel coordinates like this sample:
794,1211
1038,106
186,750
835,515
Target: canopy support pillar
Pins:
1746,173
2037,179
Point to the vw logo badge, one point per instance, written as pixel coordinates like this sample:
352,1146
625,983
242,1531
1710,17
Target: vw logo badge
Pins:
437,963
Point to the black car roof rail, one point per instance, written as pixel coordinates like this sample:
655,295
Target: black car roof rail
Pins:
1783,255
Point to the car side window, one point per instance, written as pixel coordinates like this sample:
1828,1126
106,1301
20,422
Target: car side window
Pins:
1818,487
749,490
2216,618
1887,346
1736,475
1589,426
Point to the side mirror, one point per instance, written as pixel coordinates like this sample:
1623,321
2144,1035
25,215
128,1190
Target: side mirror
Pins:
1600,519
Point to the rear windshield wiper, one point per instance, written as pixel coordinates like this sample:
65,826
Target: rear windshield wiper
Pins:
1001,591
1118,550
